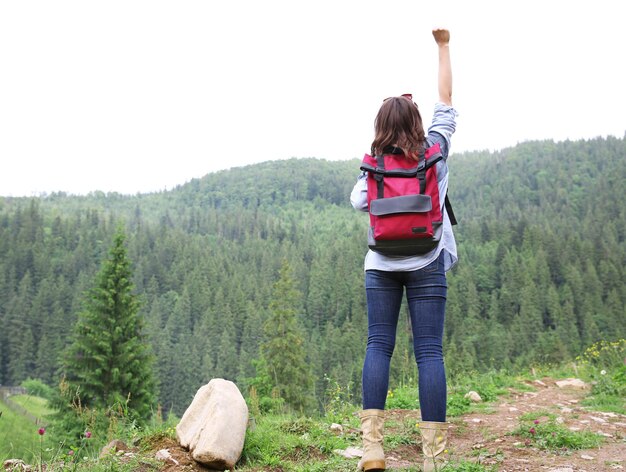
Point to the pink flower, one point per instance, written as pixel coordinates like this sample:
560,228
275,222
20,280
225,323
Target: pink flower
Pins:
41,431
532,431
87,434
70,452
536,421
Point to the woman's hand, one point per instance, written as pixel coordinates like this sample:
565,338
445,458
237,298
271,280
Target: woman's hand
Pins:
442,36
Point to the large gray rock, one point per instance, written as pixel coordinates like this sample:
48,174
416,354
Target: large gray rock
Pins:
214,426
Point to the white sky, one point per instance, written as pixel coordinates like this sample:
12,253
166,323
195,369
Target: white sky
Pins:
140,96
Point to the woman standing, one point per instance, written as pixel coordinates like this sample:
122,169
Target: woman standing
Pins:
399,130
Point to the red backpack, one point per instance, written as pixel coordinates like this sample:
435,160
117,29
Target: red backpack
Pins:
404,203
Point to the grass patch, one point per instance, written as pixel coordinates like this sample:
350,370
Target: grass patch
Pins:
18,436
540,429
611,403
401,434
113,463
609,390
293,444
468,466
490,386
402,398
36,406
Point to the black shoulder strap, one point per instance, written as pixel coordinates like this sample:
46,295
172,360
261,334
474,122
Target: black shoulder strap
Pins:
380,185
449,211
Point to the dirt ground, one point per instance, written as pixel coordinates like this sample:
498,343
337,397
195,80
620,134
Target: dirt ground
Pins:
486,437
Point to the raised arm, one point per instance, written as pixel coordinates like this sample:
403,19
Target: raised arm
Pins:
442,38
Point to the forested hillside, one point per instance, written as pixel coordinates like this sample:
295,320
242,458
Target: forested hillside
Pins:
541,237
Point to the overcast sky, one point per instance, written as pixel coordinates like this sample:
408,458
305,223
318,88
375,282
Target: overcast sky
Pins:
140,96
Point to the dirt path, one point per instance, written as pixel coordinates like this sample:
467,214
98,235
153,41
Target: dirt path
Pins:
487,435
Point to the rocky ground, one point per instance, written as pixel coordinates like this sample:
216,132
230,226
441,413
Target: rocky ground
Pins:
487,436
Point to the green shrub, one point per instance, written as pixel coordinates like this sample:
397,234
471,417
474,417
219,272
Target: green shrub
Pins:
37,388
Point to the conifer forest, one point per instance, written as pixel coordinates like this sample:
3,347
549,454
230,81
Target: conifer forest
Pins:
243,270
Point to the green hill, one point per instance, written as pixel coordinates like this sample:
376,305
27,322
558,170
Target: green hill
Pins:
541,239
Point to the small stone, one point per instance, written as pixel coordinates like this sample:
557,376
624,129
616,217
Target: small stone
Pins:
473,396
571,383
606,435
598,420
16,465
513,409
540,383
562,469
476,420
336,428
586,457
350,452
165,455
114,447
566,410
559,420
574,428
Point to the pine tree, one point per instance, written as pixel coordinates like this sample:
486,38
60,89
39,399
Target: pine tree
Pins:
284,351
109,360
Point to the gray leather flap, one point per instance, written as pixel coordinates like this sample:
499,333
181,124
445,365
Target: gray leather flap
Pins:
404,204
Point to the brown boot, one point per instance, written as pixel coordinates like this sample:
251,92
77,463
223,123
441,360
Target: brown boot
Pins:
372,422
434,441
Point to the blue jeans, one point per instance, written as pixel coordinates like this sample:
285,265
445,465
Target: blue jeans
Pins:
426,291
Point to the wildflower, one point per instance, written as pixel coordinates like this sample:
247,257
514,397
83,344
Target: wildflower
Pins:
41,431
603,372
70,452
536,421
87,434
532,431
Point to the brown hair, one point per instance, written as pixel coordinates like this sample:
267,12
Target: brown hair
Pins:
399,123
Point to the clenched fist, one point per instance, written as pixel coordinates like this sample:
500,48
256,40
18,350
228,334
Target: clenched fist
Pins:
442,36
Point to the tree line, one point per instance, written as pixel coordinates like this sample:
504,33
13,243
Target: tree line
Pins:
541,275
